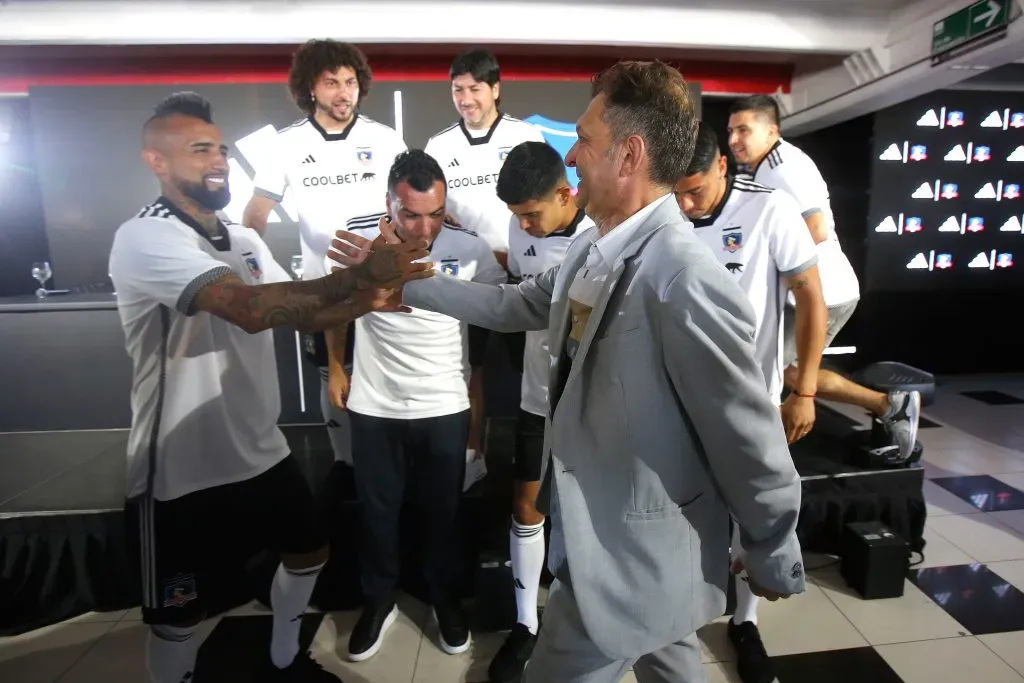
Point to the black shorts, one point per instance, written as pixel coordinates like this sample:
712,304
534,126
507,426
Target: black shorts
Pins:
529,453
515,344
196,547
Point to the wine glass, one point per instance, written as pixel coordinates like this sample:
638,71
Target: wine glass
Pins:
41,272
297,266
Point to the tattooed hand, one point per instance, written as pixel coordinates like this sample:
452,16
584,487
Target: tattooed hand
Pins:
390,263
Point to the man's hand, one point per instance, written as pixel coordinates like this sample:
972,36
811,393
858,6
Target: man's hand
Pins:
797,416
388,262
337,388
771,596
351,250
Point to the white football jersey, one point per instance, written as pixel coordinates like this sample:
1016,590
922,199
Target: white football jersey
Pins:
416,365
332,177
205,397
528,257
471,161
787,167
760,237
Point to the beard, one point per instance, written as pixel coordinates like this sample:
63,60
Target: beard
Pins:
214,200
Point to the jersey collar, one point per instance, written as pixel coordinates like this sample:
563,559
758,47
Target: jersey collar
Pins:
221,241
710,220
331,137
483,139
570,229
765,157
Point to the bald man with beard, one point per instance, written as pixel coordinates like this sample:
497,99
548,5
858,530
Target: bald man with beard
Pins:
210,480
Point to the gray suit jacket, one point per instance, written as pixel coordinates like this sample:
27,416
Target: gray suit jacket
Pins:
662,429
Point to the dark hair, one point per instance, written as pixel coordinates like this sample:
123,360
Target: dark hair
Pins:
318,56
531,171
651,100
417,168
190,104
764,105
479,63
705,151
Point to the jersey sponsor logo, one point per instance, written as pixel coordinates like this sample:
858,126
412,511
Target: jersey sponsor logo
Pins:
732,242
488,179
532,251
180,591
735,268
339,179
450,266
253,265
365,155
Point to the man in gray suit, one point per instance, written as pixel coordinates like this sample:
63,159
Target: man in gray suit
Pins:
659,426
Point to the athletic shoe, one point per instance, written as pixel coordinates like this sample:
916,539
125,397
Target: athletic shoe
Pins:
476,469
507,666
753,664
304,669
451,624
903,418
369,631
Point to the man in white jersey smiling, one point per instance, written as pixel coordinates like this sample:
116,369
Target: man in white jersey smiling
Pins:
546,220
334,161
409,409
756,143
210,481
472,152
758,235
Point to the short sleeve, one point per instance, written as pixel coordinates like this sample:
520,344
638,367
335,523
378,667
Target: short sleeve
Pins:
162,261
534,133
488,270
792,246
271,179
804,184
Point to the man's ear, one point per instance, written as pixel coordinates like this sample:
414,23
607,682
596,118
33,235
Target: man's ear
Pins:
156,161
564,195
631,154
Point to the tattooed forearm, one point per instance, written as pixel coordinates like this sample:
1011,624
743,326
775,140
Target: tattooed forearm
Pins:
799,283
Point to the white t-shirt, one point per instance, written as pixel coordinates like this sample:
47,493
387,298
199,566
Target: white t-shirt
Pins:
528,257
471,161
788,168
416,365
760,237
205,398
333,177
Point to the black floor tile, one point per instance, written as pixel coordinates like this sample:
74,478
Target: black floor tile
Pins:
856,665
238,645
993,398
981,600
925,423
986,493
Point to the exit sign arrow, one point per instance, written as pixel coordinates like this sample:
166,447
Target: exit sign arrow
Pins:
977,24
989,16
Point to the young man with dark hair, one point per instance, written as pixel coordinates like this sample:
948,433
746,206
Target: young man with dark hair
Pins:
760,238
472,152
210,480
409,410
659,426
334,162
757,144
545,221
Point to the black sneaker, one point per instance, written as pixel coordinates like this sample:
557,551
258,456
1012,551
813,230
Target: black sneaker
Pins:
304,669
507,666
369,631
451,623
753,663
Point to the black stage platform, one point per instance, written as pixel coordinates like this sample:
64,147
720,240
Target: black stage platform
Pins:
62,546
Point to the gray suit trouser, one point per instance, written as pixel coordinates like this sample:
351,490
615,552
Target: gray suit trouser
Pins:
565,653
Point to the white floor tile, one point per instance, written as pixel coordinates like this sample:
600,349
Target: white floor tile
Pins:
43,656
1009,647
1012,571
963,660
940,552
808,622
981,536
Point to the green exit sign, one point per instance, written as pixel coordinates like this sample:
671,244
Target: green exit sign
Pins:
983,18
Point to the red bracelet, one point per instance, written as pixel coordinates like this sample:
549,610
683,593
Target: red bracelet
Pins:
804,395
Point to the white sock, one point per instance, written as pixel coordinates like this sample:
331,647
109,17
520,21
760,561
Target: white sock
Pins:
289,596
171,653
746,603
526,544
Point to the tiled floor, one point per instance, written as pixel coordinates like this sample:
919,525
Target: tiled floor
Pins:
961,617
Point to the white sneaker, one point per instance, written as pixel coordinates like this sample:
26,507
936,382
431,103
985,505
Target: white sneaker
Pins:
476,469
